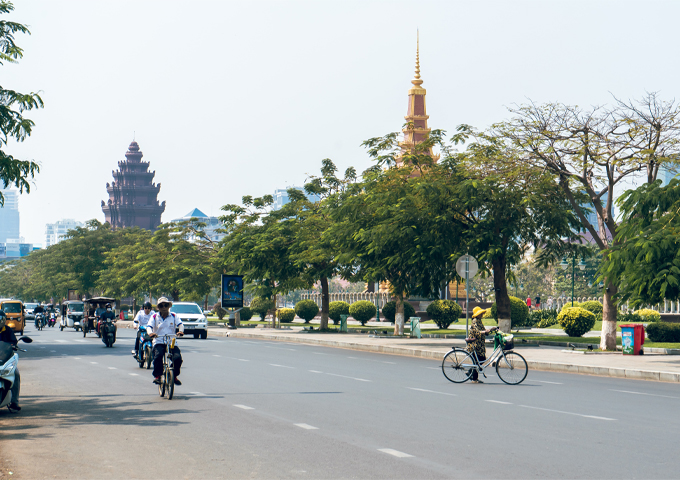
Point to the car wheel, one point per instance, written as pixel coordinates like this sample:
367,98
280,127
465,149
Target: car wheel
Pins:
204,335
196,335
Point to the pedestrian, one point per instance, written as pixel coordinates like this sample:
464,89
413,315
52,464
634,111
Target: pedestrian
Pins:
538,302
476,336
550,303
529,302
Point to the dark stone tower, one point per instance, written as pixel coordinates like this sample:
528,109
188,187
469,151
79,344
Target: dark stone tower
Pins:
133,197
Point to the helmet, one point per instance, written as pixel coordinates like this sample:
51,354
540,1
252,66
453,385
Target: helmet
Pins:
147,305
108,305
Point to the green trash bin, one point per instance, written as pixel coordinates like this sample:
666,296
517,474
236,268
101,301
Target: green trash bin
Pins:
343,323
415,327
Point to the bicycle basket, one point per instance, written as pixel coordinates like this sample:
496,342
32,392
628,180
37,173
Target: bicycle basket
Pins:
508,342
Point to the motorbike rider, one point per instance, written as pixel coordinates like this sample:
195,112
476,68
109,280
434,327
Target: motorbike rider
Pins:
7,335
36,311
160,324
141,320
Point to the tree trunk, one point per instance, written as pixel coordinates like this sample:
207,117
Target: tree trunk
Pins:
205,302
175,295
274,312
609,308
502,297
399,316
325,296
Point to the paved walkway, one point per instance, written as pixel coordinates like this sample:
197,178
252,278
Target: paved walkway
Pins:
657,367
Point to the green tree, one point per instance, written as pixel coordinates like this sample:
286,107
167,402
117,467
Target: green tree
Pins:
13,124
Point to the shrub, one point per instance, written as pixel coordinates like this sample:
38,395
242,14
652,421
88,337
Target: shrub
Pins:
306,309
576,321
519,312
286,315
663,332
649,315
488,313
628,317
544,318
389,311
335,309
444,312
261,306
592,306
245,314
569,305
219,311
362,311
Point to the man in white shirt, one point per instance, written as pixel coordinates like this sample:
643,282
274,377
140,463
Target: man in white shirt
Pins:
142,318
161,324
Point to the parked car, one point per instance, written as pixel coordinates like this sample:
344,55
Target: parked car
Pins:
14,311
192,317
29,315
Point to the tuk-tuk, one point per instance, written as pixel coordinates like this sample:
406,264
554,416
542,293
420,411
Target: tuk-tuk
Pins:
72,315
14,312
94,307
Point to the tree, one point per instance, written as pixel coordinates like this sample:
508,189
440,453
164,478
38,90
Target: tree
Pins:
590,152
13,124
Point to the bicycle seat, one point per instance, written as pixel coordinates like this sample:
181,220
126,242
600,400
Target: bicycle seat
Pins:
469,340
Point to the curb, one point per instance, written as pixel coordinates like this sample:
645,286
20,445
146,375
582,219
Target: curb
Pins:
629,373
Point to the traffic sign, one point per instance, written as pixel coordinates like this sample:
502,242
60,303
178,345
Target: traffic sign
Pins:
467,266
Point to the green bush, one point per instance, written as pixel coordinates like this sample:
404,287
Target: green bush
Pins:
649,315
389,311
663,332
628,317
544,318
335,309
219,311
569,305
286,315
362,311
261,306
487,314
245,314
444,312
592,306
576,321
519,312
306,309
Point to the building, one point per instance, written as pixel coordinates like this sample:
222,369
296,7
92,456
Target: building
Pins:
281,197
133,197
56,232
212,224
14,249
665,175
9,216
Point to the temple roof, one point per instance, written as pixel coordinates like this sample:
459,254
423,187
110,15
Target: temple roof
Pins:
195,213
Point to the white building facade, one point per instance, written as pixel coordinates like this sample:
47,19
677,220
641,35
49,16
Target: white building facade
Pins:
56,232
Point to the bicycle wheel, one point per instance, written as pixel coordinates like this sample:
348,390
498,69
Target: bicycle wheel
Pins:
170,376
512,369
161,387
148,357
457,366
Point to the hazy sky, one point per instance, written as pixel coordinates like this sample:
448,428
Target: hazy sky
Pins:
241,98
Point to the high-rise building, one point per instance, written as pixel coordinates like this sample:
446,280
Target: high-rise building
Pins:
9,216
133,197
212,224
56,232
281,197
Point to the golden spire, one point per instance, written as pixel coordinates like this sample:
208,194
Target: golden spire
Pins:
417,81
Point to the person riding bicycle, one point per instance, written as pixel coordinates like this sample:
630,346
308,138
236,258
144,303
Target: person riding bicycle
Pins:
141,320
476,336
7,335
162,324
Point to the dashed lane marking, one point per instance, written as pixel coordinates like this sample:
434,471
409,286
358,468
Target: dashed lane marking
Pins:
53,351
315,371
434,368
76,358
431,391
61,341
643,393
396,453
552,383
319,353
595,417
217,355
498,401
113,368
305,426
94,363
345,376
134,374
390,363
244,407
282,366
80,340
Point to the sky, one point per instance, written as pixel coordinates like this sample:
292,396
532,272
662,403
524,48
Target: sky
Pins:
228,99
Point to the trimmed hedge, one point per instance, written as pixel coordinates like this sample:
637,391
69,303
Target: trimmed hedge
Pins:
663,332
389,311
335,309
261,306
576,321
544,318
592,306
519,313
306,309
649,315
568,305
444,312
286,315
245,314
362,311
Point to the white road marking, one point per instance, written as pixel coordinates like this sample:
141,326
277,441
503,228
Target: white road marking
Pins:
53,351
242,360
134,374
319,353
282,366
305,426
391,363
42,347
244,407
431,391
61,341
434,368
396,453
498,401
113,368
217,355
281,348
568,413
66,354
353,358
345,376
315,371
552,383
76,358
93,363
80,340
642,393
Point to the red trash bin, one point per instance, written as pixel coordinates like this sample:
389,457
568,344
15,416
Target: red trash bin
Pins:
632,338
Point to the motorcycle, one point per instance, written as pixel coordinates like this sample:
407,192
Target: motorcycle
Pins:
52,321
145,349
9,361
39,321
107,331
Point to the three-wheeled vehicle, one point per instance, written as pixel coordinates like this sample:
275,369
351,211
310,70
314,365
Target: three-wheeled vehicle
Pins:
72,315
106,330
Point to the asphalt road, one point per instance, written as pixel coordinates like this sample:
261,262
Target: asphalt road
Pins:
257,409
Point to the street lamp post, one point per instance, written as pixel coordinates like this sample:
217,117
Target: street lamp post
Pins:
581,266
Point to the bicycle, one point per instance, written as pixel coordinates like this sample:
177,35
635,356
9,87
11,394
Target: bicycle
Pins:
168,375
511,367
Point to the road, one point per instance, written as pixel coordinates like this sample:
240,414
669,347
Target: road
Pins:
257,409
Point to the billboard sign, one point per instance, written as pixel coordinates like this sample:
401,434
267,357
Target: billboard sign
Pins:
232,291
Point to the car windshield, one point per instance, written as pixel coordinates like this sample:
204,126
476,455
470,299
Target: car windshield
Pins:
76,307
30,306
193,308
11,307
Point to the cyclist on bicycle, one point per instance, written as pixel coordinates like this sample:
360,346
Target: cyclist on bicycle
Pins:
161,325
141,320
476,336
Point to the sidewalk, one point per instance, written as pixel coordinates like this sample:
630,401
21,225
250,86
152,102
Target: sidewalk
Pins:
657,367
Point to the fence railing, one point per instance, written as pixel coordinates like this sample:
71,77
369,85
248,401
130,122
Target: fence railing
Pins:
667,306
378,299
